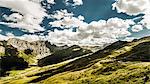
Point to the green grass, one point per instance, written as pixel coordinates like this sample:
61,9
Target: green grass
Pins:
24,80
30,58
2,54
108,71
25,75
119,73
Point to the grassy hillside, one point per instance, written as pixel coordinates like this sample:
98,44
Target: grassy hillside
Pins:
118,63
63,55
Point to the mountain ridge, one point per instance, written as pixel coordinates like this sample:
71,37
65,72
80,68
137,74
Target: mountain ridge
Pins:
121,62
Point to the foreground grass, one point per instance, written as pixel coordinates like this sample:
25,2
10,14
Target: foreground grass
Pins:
31,73
100,73
122,73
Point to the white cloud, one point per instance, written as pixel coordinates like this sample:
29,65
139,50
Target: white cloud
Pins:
61,14
132,7
135,7
129,39
51,1
75,2
78,2
29,37
30,14
146,20
15,17
2,37
66,20
137,28
95,33
26,37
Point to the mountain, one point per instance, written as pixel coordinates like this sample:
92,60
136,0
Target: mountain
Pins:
29,51
22,54
119,63
63,55
40,48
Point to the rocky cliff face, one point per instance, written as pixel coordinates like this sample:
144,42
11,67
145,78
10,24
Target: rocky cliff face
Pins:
2,49
40,48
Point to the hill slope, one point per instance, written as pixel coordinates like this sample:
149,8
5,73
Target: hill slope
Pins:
120,62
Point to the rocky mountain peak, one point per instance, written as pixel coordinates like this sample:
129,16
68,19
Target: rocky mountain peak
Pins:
40,48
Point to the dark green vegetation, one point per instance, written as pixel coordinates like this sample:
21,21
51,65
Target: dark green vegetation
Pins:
118,63
63,55
140,52
11,61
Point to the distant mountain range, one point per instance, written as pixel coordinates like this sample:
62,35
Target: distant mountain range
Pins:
41,62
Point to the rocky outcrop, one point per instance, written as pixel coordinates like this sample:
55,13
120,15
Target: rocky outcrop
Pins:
2,49
40,48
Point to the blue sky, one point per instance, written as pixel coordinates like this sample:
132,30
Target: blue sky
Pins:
91,10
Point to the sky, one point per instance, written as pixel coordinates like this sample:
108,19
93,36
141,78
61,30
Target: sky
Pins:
75,22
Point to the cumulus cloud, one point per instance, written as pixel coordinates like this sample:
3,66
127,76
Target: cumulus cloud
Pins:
132,7
2,37
95,33
129,39
135,7
29,14
78,2
30,38
66,20
137,28
51,1
75,2
26,37
146,20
